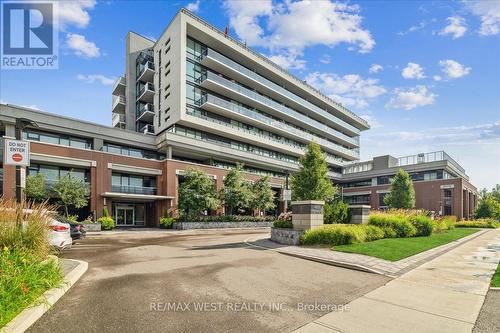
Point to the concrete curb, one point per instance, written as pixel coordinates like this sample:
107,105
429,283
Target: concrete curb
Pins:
31,314
494,288
321,260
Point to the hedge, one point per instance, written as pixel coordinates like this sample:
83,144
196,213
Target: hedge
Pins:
341,234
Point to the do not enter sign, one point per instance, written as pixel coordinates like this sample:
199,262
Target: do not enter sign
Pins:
17,152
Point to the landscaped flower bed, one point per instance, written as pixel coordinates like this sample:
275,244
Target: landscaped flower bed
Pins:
392,224
481,223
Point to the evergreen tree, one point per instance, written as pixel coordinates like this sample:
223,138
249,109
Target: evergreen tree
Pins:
402,194
197,193
311,182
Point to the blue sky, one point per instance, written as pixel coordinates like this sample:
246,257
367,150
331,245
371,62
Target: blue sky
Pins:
426,75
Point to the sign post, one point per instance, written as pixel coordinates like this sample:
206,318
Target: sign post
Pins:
17,152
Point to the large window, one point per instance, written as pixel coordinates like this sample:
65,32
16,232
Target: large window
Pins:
58,139
53,172
136,184
133,152
357,199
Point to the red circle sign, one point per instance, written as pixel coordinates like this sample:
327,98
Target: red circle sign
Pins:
17,157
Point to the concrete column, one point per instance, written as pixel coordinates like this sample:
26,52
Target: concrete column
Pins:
359,214
307,214
465,204
169,152
471,204
93,191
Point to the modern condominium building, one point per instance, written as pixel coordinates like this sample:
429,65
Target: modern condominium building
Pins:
210,99
197,98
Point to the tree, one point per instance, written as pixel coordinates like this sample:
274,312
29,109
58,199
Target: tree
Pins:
262,195
236,192
36,188
311,181
197,193
71,192
402,194
336,210
489,204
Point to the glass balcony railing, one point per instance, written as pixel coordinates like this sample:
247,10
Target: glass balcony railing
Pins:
208,98
274,105
429,157
271,85
134,189
147,87
266,60
147,129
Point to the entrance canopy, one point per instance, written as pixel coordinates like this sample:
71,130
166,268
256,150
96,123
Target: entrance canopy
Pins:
137,197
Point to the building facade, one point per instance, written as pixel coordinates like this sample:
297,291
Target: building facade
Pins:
198,98
441,184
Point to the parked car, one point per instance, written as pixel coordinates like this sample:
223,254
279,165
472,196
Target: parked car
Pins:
59,235
77,230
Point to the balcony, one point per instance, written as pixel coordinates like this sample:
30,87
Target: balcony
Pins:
429,157
118,105
147,129
118,120
222,64
146,93
287,74
235,91
218,105
119,86
147,72
146,113
134,189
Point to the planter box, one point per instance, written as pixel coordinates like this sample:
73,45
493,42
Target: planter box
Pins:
220,225
92,226
287,236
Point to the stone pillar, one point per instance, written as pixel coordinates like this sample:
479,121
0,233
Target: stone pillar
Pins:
359,213
307,214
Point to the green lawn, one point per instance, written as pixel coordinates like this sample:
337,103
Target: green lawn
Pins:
495,282
394,249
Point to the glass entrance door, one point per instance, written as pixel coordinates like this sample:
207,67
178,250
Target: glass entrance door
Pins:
124,215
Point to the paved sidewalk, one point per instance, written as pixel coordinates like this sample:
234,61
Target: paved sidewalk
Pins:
442,295
362,262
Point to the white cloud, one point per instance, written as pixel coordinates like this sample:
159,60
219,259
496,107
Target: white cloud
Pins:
413,71
489,13
325,59
456,27
92,78
193,6
288,60
437,78
297,25
351,89
413,28
453,69
81,46
375,68
74,13
374,123
411,98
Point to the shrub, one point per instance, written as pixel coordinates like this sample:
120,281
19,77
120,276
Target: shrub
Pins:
481,223
389,232
283,224
445,223
25,231
231,218
424,225
400,224
167,222
336,212
341,234
107,223
105,211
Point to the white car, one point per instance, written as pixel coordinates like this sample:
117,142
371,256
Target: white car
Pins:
59,235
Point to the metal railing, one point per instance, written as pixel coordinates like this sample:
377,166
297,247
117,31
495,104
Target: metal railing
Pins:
121,80
119,99
282,70
148,107
429,157
134,189
274,123
274,105
147,129
269,84
117,118
148,86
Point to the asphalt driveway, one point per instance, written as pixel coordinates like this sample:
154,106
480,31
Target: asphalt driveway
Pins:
197,281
